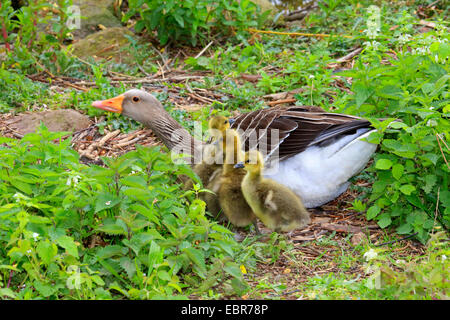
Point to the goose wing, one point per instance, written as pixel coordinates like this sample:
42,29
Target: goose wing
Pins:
290,130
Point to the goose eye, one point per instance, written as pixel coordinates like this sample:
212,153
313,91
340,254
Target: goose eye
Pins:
136,99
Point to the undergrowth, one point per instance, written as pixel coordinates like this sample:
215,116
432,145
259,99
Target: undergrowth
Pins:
125,230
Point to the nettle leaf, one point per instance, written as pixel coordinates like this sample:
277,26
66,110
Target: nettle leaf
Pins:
105,201
164,275
384,221
46,251
221,229
198,258
415,201
407,189
69,244
134,181
139,224
405,228
362,93
383,164
151,214
112,228
128,266
6,292
400,148
111,251
141,239
233,269
428,224
445,198
430,182
154,255
45,289
22,186
375,137
179,20
373,212
39,220
228,247
398,125
390,92
439,85
239,286
397,171
432,157
140,194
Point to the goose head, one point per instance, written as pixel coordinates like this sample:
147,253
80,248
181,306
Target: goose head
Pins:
136,104
146,109
253,162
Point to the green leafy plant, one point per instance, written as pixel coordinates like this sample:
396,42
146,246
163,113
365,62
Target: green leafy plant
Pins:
68,230
28,47
194,20
411,189
423,277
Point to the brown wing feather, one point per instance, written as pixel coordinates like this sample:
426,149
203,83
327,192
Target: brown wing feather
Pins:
298,128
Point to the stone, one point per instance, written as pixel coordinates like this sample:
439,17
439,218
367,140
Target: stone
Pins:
94,13
267,5
104,44
54,120
358,238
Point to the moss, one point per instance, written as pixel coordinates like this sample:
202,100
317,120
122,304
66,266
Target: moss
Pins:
104,44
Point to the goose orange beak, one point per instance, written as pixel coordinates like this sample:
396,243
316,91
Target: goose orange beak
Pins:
111,105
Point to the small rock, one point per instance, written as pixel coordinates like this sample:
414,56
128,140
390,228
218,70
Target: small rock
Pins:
103,44
94,13
54,120
266,5
358,238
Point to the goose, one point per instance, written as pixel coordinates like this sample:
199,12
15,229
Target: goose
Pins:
231,198
277,206
315,155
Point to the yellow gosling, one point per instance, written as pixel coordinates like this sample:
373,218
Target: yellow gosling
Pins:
231,199
207,168
278,207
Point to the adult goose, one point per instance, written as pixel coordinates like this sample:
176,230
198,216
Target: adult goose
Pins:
318,151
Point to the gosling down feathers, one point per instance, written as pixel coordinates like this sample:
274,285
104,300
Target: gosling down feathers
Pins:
315,152
211,164
274,204
231,199
210,169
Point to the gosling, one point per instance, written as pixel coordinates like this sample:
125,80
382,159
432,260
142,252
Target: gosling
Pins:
277,206
210,166
231,199
210,169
